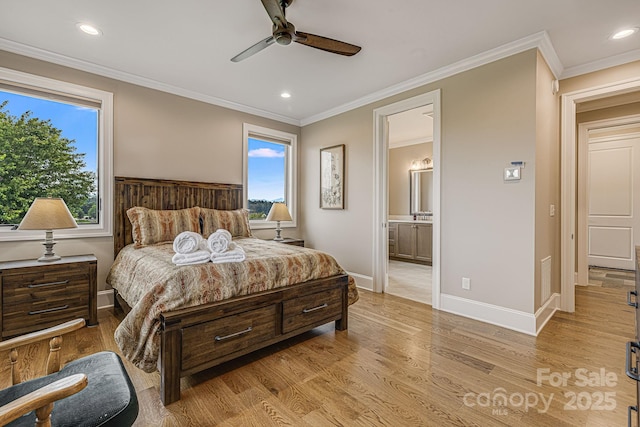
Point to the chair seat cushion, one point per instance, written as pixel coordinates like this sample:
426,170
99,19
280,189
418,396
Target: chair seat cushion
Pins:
108,400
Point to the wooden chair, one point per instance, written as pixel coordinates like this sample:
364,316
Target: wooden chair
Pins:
91,391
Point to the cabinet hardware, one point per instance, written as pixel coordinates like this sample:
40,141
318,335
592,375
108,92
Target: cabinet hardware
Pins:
309,310
629,409
632,372
40,285
235,334
635,294
49,310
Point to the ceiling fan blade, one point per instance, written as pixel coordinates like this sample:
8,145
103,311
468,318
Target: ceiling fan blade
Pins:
276,12
262,44
327,44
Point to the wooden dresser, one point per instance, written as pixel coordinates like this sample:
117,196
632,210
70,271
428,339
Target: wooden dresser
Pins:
37,295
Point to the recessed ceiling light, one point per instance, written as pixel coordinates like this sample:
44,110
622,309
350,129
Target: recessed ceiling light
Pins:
89,29
624,33
285,95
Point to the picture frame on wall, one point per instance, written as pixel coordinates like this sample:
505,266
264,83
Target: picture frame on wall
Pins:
332,177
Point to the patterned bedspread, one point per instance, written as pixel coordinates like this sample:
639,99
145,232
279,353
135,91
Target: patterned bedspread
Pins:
151,284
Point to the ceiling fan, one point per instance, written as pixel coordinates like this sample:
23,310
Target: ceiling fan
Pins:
284,33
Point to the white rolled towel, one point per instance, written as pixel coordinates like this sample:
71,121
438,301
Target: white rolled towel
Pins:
188,242
198,257
235,254
219,241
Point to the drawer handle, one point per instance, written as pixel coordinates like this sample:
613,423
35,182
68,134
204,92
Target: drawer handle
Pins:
226,337
39,285
632,371
631,408
320,307
49,310
635,294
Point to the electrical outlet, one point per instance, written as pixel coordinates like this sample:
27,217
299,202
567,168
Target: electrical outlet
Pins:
552,210
466,283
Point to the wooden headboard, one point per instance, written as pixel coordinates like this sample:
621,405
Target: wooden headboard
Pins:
166,194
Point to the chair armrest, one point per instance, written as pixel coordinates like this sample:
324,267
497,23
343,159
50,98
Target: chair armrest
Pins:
41,397
44,334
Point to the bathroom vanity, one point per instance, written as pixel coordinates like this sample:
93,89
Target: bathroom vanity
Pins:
411,241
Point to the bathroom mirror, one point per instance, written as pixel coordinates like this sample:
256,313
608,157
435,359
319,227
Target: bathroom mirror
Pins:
421,191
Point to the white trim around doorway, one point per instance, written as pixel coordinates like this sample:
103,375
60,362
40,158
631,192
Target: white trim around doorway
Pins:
380,196
568,183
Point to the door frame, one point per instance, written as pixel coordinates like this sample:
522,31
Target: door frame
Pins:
568,164
381,196
632,122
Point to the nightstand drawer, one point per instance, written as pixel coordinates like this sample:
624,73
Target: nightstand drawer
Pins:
38,295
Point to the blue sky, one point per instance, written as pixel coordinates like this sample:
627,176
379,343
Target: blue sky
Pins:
266,170
76,122
266,159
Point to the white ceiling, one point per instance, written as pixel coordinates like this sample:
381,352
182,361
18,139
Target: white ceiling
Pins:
184,46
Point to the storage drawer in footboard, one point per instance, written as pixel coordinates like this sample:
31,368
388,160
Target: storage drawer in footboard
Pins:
317,308
209,341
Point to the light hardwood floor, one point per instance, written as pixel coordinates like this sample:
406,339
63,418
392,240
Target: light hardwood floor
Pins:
403,364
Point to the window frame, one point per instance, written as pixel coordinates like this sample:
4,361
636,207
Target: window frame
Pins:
104,163
291,169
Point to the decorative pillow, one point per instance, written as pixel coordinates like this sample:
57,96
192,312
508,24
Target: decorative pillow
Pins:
235,221
151,226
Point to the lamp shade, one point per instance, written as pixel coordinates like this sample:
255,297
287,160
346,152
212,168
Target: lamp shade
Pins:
279,212
47,213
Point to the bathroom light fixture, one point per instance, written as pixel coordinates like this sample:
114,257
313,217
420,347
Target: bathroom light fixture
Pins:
89,29
285,95
418,164
624,33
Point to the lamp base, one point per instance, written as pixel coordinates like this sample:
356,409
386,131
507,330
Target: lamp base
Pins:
49,258
278,230
48,243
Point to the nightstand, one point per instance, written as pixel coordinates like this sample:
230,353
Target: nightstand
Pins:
36,295
291,241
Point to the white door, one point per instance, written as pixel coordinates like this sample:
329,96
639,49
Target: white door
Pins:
613,201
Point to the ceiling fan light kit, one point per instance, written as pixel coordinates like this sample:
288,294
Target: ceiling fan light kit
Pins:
285,32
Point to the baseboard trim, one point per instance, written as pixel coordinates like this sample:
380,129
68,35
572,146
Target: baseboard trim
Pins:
500,316
546,312
105,299
362,281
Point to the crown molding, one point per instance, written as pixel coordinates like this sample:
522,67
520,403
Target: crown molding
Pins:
601,64
538,40
44,55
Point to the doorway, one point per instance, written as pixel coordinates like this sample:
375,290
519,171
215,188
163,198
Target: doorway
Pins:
569,179
608,199
381,191
410,196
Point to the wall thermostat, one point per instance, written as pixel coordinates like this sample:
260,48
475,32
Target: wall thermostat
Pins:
512,174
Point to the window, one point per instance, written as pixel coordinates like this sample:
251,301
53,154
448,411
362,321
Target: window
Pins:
269,173
55,140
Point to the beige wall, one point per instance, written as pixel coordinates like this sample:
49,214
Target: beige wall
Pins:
487,225
547,228
608,113
601,78
399,164
156,135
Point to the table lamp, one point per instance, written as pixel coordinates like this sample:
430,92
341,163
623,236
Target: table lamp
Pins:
48,213
278,212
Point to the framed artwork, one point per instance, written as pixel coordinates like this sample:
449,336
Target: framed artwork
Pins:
332,177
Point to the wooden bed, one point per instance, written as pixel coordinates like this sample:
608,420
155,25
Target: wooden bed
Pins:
262,319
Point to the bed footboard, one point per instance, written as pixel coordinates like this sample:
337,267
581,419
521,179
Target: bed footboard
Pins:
197,338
